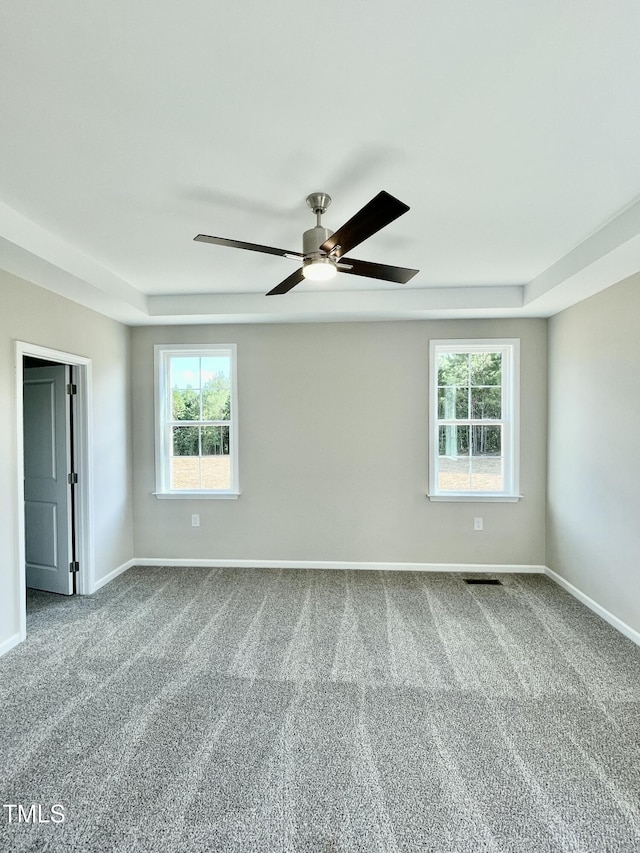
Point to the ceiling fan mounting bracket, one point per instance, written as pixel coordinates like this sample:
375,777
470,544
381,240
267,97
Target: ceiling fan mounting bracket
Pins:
319,202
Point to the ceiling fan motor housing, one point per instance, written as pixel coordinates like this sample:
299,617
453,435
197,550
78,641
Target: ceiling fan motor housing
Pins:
313,239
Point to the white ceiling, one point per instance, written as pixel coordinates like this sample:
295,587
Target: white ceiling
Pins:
511,128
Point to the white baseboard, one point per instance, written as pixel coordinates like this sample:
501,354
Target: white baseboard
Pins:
10,643
605,614
470,568
114,574
467,568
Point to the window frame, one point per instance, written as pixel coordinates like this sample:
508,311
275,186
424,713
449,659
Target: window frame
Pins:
510,420
163,422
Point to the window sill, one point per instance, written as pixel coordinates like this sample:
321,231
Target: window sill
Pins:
197,496
467,498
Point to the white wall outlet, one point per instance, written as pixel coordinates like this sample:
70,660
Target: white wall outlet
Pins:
478,524
195,520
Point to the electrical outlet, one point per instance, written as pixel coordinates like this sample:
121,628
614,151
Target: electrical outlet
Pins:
478,524
195,520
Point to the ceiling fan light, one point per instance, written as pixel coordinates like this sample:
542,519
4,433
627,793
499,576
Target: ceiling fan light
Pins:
321,269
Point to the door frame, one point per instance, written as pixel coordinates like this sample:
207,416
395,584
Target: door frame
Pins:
83,443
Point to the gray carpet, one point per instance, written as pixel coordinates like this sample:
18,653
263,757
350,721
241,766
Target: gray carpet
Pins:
195,710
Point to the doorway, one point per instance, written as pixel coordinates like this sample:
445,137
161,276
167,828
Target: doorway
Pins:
54,472
49,476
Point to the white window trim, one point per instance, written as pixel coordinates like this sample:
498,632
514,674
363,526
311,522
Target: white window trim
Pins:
162,353
511,407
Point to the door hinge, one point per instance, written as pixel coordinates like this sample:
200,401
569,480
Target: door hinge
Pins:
72,479
74,567
72,388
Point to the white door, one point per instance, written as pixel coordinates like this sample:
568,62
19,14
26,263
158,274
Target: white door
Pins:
46,488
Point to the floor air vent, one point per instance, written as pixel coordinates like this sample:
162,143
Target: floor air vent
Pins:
490,581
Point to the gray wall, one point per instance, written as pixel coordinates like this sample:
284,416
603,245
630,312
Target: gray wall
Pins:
593,521
37,316
333,450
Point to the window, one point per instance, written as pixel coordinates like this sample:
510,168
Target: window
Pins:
474,420
196,421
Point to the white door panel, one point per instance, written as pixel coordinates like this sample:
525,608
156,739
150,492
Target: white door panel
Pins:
42,549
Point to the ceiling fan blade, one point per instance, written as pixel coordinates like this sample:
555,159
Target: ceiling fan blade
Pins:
380,211
253,247
286,285
400,275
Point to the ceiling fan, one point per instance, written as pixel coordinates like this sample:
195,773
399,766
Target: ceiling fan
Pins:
323,251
